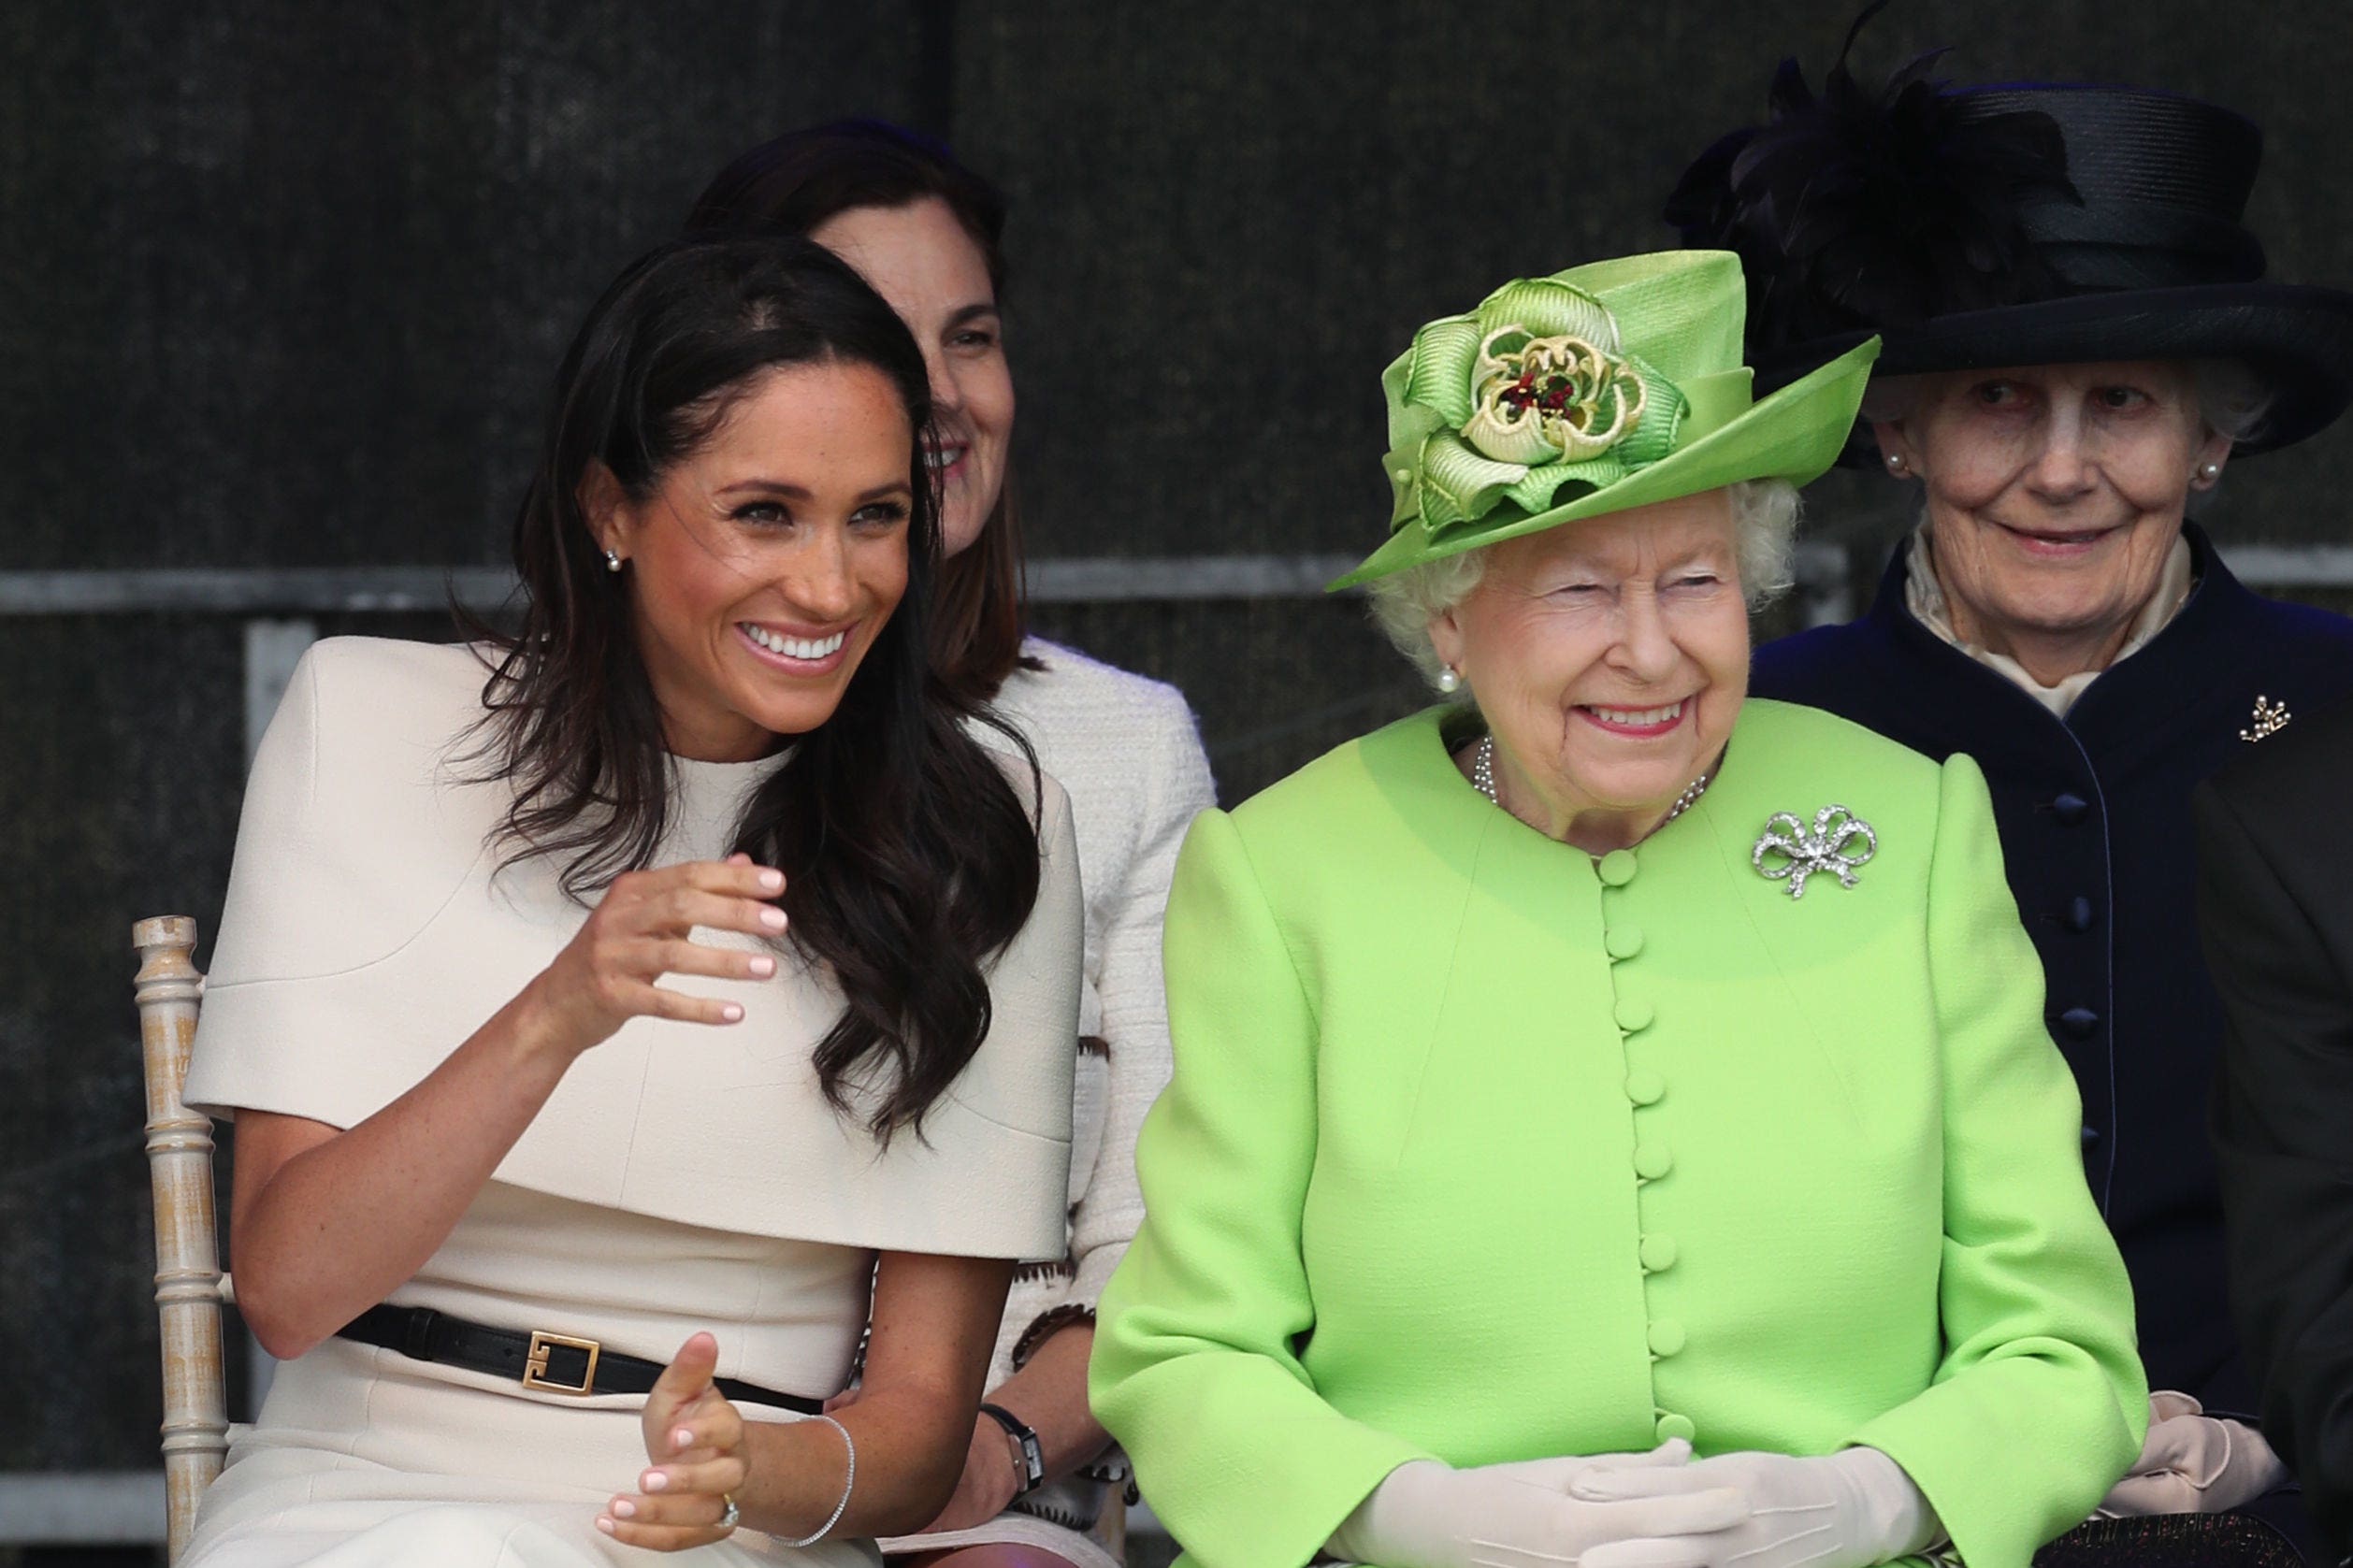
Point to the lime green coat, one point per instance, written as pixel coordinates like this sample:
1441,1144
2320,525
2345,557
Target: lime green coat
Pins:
1482,1151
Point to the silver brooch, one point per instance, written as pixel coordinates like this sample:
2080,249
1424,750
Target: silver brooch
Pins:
1838,842
2270,719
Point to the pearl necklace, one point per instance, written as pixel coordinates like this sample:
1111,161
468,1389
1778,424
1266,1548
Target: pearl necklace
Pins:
1483,779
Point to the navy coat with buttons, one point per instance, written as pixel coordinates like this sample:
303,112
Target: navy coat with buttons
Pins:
2095,831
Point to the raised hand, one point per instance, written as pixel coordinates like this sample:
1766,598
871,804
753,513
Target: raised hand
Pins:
695,1439
639,931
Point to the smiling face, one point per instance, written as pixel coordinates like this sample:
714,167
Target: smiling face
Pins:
1610,658
2055,494
920,259
766,562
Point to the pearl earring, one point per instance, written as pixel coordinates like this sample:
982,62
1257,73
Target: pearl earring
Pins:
613,560
2210,470
1448,682
1896,464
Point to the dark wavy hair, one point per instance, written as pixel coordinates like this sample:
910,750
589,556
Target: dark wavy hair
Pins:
794,184
909,857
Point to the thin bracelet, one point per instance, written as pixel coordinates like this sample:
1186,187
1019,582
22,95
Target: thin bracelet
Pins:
847,1481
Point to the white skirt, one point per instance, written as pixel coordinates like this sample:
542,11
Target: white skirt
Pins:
365,1459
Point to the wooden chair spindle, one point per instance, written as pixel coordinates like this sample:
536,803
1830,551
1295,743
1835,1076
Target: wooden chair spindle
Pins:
188,1279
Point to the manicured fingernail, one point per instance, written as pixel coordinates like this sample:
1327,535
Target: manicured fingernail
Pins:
625,1509
763,966
771,879
773,917
682,1438
604,1524
653,1481
732,1013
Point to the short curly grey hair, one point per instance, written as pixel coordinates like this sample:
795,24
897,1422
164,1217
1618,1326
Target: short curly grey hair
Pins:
1765,531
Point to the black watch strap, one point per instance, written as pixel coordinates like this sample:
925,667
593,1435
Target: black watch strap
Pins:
1028,1458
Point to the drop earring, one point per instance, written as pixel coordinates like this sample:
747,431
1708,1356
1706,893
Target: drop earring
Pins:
613,560
1448,682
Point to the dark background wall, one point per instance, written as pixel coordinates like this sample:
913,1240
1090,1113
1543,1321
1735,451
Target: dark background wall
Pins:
282,284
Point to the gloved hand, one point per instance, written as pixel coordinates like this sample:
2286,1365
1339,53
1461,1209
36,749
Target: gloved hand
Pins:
1845,1510
2193,1463
1427,1515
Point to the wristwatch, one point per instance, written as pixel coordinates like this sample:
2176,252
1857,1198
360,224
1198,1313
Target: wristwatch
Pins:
1029,1458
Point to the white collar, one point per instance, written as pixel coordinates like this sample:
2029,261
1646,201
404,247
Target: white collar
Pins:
1924,595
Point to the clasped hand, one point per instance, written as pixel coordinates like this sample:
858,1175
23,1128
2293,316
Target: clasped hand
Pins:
2193,1463
1428,1514
1646,1510
1845,1510
695,1439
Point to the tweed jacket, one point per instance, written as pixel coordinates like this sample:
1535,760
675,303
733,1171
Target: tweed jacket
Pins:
2096,829
1480,1149
1127,750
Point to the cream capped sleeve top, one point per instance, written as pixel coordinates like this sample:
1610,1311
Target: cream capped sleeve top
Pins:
365,936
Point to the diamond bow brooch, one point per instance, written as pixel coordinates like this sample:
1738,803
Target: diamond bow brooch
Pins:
1838,842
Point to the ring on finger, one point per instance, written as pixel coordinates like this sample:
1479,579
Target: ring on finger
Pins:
729,1515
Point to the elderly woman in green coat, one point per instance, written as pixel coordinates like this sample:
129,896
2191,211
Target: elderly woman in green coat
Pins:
1612,1121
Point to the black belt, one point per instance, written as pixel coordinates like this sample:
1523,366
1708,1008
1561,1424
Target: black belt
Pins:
558,1363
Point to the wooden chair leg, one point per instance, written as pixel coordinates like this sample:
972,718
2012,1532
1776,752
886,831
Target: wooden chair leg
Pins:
187,1253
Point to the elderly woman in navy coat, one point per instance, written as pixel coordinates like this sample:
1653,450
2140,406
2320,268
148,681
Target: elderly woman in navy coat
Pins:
2079,340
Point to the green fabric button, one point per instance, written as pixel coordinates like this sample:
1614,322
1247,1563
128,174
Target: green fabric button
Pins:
1659,1252
1671,1426
1633,1014
1667,1337
1652,1160
1617,867
1623,942
1645,1086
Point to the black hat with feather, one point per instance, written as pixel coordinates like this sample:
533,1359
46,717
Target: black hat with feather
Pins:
2019,225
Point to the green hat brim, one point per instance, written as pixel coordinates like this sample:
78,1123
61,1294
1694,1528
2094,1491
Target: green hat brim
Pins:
1793,433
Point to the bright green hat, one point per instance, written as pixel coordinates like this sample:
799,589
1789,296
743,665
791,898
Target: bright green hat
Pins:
1597,389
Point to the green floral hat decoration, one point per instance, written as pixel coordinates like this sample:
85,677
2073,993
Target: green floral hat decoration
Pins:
1597,389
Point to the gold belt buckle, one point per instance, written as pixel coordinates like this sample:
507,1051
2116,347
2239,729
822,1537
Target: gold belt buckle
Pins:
535,1364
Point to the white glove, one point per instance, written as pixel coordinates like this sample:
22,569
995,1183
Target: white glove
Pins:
2193,1463
1426,1515
1845,1510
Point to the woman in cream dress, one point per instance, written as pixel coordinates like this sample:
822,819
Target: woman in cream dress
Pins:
928,232
604,1008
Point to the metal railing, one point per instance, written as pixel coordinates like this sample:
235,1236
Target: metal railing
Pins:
325,590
